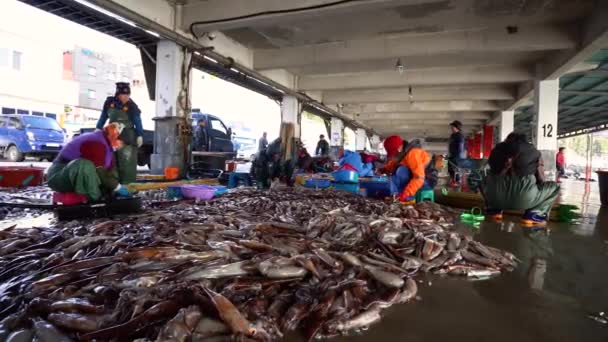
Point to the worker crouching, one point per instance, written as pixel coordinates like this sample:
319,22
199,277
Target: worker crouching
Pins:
516,182
86,166
410,168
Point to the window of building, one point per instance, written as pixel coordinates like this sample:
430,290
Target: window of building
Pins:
92,94
3,57
92,71
17,60
6,110
23,111
38,113
51,115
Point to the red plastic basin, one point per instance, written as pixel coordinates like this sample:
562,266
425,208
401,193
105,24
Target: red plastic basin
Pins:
16,177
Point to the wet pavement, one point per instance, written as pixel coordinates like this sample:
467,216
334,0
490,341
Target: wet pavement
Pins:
559,282
549,297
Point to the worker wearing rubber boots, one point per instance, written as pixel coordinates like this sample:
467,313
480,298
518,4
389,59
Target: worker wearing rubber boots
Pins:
516,182
121,109
408,167
86,166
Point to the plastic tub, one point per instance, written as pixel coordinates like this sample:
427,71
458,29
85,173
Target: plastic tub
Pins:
602,177
346,176
317,183
16,177
199,192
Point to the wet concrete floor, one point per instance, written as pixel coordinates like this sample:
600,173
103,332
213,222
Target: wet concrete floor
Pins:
560,281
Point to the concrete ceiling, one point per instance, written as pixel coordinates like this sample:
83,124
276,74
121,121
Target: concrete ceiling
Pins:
462,59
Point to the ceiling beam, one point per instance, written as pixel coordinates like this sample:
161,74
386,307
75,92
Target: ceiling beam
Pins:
387,124
447,116
418,94
536,38
218,15
423,62
588,93
583,107
421,106
448,76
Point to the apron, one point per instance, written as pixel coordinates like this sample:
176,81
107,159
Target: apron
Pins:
126,157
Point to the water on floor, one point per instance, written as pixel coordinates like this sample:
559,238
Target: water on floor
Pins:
559,283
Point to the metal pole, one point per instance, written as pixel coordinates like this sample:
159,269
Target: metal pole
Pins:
589,156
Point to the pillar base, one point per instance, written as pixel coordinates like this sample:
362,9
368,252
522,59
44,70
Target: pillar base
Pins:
168,145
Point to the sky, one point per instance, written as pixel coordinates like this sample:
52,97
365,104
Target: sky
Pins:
249,113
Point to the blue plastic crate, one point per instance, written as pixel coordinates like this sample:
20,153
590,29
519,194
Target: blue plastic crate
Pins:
317,183
376,189
174,192
350,187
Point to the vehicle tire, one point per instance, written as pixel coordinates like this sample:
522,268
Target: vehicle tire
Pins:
13,154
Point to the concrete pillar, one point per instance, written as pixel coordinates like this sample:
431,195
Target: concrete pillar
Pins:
336,141
172,132
290,113
337,132
360,139
546,100
374,141
506,123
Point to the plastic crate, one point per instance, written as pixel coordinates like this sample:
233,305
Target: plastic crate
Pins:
350,187
317,183
376,189
174,192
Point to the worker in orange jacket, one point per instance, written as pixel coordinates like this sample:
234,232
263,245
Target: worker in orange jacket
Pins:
406,164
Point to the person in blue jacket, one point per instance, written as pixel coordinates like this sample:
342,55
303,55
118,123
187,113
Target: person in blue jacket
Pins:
120,108
352,161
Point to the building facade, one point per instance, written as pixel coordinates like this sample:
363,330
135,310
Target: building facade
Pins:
96,74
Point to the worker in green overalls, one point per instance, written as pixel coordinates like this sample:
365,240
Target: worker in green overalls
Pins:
121,109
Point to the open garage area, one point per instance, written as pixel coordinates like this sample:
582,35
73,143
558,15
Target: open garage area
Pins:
298,170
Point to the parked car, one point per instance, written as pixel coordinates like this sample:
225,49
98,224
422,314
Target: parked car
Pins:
26,135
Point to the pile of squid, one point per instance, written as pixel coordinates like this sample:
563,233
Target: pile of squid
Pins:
248,266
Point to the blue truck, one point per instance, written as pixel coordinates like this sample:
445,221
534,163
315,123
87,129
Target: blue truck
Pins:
23,135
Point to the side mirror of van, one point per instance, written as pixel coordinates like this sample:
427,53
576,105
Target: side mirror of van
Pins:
230,132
